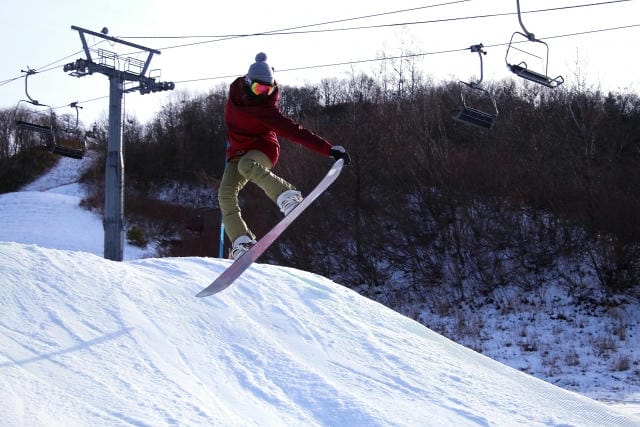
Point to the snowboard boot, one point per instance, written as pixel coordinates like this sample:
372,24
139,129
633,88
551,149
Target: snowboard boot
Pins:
241,245
289,200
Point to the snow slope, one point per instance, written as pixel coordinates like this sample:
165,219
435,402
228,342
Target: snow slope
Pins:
47,213
87,341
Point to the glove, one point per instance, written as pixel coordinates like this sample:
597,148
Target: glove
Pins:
338,152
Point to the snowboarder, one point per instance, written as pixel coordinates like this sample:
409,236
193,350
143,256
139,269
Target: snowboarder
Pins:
254,122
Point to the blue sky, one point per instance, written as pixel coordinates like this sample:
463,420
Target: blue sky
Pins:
37,33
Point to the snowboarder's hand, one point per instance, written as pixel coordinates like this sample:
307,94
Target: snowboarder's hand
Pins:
338,152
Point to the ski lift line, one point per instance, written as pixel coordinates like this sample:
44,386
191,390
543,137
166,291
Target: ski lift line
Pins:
559,36
281,32
82,102
336,21
581,33
415,54
284,30
435,21
335,64
51,66
602,30
54,65
13,79
367,27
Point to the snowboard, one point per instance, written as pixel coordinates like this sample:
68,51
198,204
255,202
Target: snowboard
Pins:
234,271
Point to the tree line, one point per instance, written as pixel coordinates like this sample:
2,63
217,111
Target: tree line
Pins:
429,206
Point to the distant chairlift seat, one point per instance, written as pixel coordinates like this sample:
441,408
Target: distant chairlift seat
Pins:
520,69
46,130
68,142
71,142
471,115
69,146
73,147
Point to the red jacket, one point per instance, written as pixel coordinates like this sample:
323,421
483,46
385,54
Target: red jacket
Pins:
254,123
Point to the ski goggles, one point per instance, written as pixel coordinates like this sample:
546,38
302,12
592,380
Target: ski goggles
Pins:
258,88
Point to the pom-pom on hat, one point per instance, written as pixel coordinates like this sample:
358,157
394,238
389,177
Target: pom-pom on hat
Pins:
261,71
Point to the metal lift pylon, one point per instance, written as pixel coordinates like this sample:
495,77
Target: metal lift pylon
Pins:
113,220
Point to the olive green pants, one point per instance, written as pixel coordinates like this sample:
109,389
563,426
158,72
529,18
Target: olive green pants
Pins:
254,167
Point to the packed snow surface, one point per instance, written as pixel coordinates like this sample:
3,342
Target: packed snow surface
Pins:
88,341
94,342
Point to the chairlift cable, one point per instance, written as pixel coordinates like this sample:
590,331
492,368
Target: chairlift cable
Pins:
379,59
289,31
48,67
219,38
336,21
282,31
580,33
412,55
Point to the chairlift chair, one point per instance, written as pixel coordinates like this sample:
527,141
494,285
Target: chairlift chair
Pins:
21,124
471,115
521,68
71,142
65,144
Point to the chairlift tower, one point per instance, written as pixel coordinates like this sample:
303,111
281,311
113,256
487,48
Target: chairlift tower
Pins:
119,70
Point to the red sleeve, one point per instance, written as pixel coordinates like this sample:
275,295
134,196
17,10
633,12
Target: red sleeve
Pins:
287,128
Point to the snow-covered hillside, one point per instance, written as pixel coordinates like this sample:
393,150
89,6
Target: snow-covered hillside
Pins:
47,213
87,341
